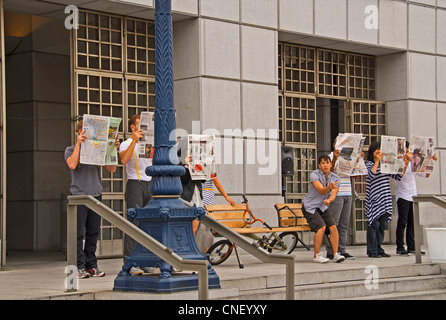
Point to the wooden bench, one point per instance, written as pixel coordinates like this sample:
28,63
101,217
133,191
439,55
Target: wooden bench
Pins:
291,215
236,217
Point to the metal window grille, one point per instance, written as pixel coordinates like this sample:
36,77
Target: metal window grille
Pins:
114,75
299,69
369,118
332,73
361,77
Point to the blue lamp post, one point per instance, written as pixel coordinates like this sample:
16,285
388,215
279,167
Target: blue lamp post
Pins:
166,218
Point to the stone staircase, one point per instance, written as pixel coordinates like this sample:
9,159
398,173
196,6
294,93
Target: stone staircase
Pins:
425,281
395,283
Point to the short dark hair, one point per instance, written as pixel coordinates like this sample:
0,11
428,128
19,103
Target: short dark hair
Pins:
79,125
323,157
375,145
132,119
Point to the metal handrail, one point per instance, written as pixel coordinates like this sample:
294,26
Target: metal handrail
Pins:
256,251
136,233
416,210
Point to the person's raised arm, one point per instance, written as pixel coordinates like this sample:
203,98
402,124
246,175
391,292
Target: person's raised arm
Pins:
126,155
324,190
73,160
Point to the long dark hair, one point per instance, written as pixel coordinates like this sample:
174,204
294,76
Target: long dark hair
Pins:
375,145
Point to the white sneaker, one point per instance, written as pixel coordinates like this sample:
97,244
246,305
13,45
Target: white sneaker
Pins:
338,257
148,269
136,271
320,258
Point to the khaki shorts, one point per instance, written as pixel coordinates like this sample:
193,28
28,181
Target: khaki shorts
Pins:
319,219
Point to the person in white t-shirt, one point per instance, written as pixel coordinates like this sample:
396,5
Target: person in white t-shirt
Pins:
406,189
137,190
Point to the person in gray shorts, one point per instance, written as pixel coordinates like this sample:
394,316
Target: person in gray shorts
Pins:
322,191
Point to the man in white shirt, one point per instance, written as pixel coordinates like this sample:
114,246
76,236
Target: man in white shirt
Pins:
406,189
138,183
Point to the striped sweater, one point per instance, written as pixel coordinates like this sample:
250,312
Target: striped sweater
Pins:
378,198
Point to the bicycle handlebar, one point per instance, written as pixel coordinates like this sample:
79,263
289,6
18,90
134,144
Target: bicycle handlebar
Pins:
254,219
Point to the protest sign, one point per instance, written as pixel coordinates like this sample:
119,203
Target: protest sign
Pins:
201,150
99,148
422,149
350,161
394,149
147,125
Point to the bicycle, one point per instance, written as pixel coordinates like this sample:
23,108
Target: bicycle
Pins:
221,250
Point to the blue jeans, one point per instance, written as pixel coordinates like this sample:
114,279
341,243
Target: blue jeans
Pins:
375,235
90,223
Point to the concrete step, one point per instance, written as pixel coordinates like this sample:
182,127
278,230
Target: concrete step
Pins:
439,294
329,276
352,289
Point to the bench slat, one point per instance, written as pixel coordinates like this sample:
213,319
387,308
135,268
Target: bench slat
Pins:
293,206
276,229
228,215
292,222
224,207
288,214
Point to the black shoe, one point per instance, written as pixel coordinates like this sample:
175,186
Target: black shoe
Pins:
374,255
402,252
413,251
385,255
348,256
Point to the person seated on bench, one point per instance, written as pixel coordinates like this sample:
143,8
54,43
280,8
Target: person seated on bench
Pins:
322,191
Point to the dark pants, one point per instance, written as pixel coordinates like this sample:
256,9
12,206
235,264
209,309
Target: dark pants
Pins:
90,223
136,193
375,235
405,219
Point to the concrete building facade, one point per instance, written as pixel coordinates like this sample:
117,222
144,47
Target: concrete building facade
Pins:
258,73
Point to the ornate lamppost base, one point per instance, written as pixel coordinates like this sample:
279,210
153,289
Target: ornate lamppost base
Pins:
177,282
169,222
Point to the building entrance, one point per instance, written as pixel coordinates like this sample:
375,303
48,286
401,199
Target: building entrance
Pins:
323,93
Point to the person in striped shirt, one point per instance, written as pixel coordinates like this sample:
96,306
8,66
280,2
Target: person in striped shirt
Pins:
378,200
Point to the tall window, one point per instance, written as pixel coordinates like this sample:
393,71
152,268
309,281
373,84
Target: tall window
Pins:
307,74
114,75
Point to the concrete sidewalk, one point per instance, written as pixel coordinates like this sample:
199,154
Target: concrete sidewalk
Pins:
42,275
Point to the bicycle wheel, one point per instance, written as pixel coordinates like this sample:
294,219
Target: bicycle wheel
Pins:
219,251
287,244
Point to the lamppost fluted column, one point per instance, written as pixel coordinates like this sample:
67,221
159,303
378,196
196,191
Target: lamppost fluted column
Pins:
164,171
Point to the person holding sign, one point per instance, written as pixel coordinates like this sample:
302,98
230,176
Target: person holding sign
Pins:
86,180
406,188
137,190
378,199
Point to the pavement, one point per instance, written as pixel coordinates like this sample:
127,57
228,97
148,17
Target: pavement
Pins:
40,275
